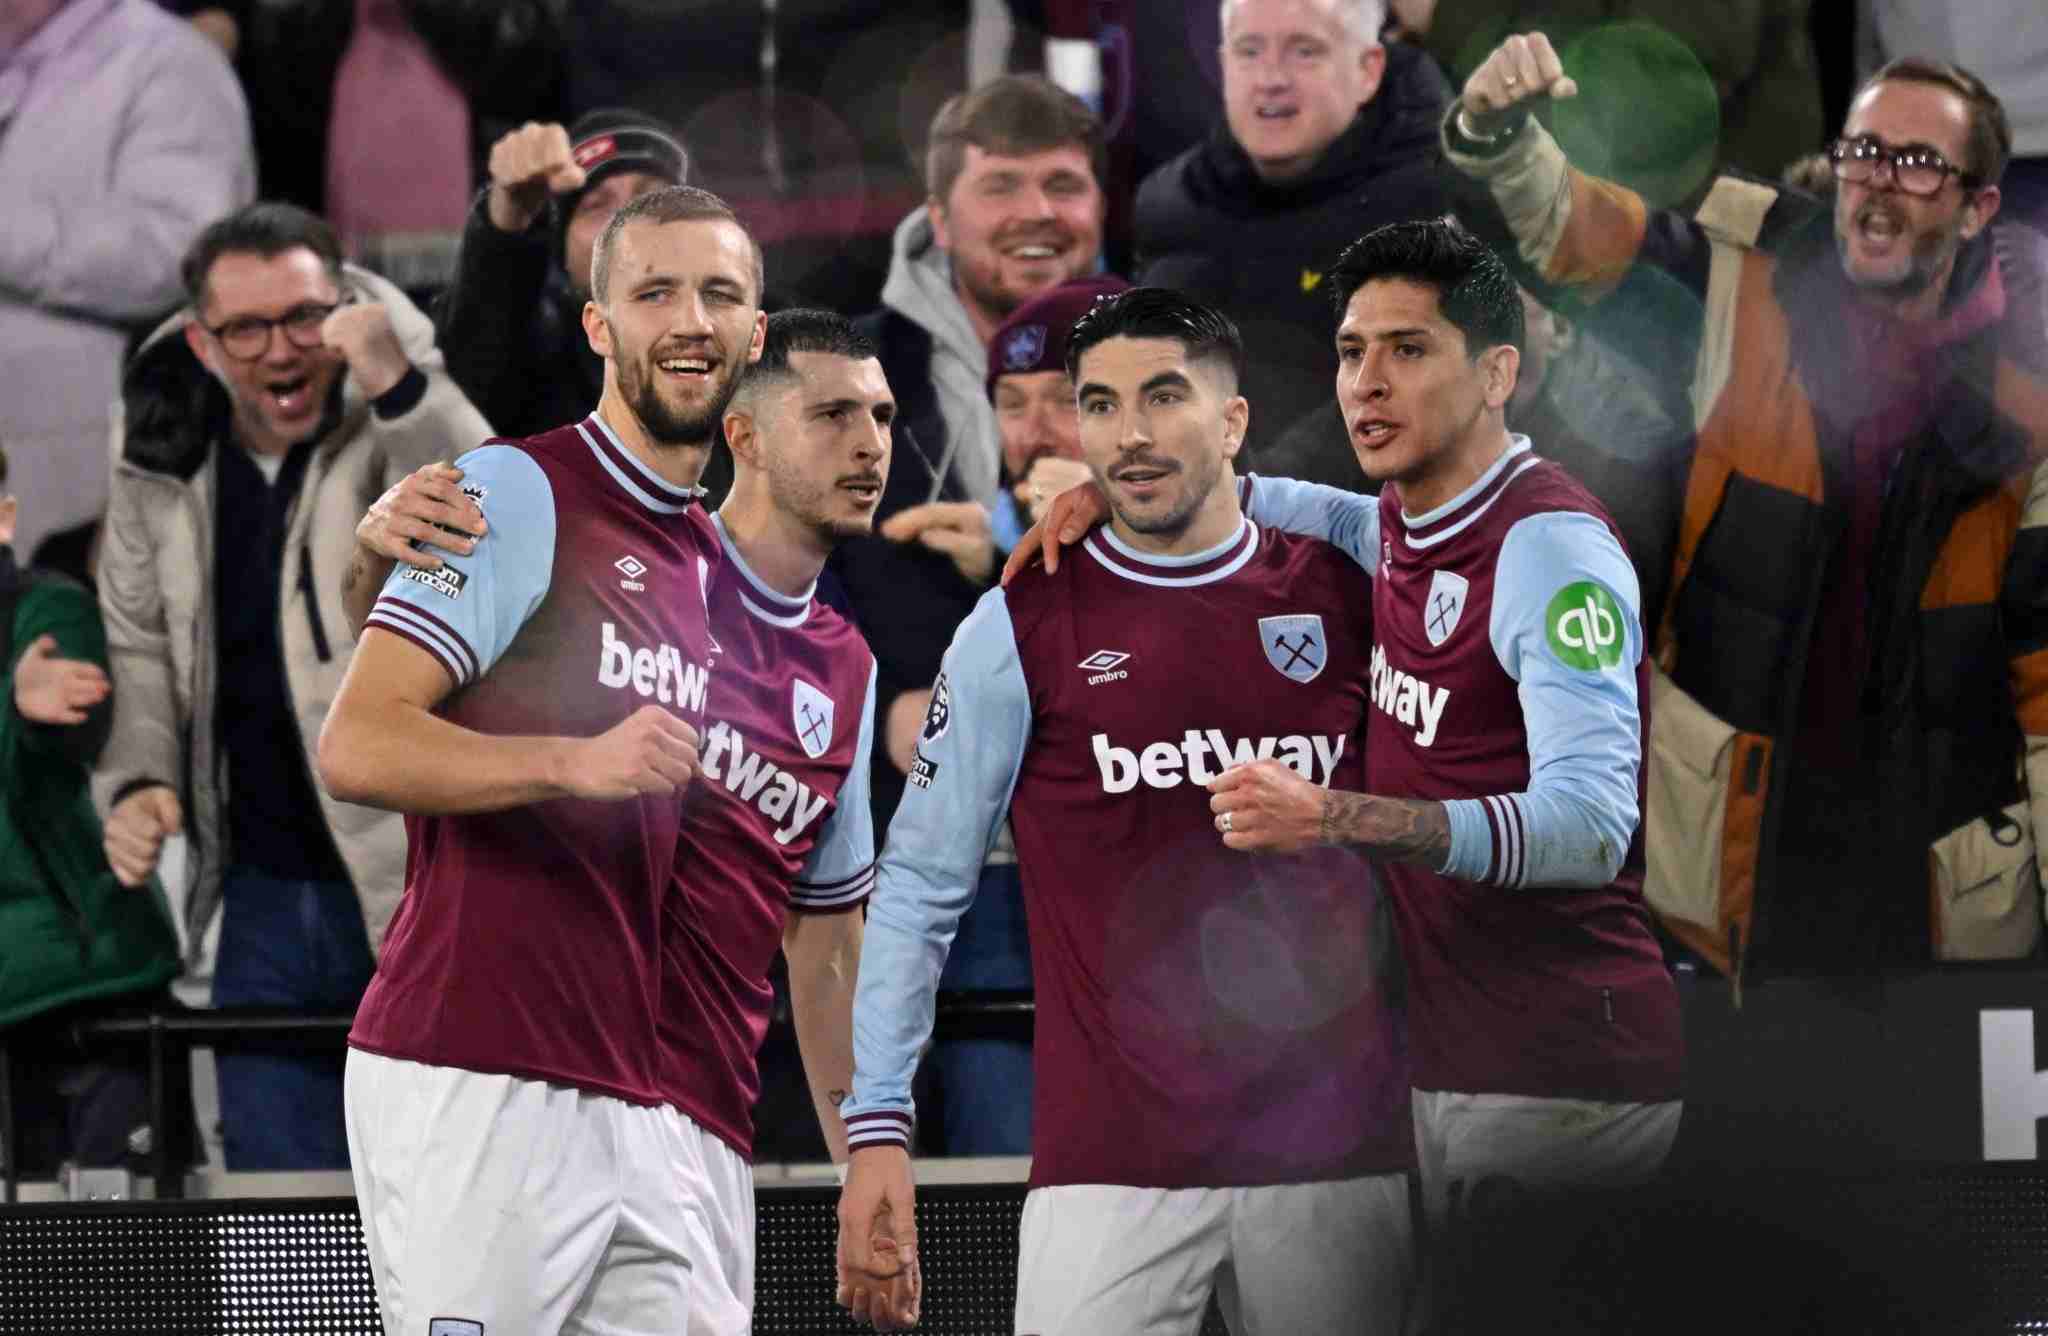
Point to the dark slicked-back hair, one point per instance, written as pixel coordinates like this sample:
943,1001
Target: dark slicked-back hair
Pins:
670,204
1012,115
267,228
1474,290
803,330
1159,313
1990,132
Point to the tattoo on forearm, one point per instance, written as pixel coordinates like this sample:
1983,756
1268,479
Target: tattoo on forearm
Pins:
356,570
1401,829
838,1097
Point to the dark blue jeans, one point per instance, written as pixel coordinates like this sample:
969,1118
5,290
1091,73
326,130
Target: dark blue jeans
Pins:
286,944
985,1084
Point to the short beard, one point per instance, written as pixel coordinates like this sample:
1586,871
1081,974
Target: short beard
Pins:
668,426
809,504
1177,521
1931,256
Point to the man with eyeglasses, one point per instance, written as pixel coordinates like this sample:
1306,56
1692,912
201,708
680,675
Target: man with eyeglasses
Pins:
257,425
1849,729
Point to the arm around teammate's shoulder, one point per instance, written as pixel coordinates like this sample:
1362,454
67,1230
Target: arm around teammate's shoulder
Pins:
1348,521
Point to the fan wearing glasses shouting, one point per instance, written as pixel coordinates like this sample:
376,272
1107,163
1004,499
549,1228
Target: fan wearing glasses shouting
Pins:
255,427
1848,757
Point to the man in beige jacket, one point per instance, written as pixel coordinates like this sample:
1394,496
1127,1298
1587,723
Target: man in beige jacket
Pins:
257,425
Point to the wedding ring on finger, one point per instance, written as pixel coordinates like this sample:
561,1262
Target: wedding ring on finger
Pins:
1223,823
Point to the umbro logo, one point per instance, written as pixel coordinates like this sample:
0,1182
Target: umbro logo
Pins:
1102,665
632,568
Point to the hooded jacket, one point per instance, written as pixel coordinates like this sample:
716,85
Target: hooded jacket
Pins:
157,580
906,598
1208,225
1942,813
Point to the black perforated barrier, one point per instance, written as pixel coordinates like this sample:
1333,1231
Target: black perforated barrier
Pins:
1951,1251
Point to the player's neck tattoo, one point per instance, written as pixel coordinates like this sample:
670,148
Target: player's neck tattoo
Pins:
1402,830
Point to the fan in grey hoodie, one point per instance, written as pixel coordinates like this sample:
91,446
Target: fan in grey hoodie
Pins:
1015,206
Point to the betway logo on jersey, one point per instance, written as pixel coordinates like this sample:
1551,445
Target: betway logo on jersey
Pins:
660,673
753,778
1409,700
1203,754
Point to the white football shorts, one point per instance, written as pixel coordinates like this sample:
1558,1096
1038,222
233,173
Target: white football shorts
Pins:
1282,1260
498,1206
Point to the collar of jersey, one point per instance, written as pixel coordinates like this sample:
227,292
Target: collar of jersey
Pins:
635,478
1451,518
1196,568
775,608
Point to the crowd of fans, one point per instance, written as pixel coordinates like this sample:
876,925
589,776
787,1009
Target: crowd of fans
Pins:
1830,509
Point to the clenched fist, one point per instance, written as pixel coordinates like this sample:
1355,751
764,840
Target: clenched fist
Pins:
137,829
527,166
1507,83
652,751
361,333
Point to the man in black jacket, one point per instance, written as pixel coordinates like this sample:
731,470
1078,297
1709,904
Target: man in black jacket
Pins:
1326,135
511,324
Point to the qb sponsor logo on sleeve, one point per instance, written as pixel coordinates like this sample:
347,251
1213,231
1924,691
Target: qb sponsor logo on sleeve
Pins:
1583,624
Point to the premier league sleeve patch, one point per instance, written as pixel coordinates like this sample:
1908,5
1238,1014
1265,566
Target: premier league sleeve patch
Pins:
938,716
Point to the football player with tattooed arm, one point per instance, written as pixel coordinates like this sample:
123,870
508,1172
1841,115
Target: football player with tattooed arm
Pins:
1504,758
1221,1104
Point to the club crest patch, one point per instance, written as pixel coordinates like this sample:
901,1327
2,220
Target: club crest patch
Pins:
1024,346
454,1326
1295,645
810,710
1443,606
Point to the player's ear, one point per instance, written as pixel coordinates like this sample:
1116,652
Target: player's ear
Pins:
760,339
1503,364
742,436
1237,420
597,329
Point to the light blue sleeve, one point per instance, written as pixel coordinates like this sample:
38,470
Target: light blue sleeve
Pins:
1567,626
467,613
1345,520
967,760
841,869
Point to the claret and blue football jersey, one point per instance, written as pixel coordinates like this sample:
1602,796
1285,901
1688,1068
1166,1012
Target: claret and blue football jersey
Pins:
527,942
1509,682
1204,1017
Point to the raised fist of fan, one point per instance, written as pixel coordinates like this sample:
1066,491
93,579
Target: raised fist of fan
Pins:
527,166
1507,83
